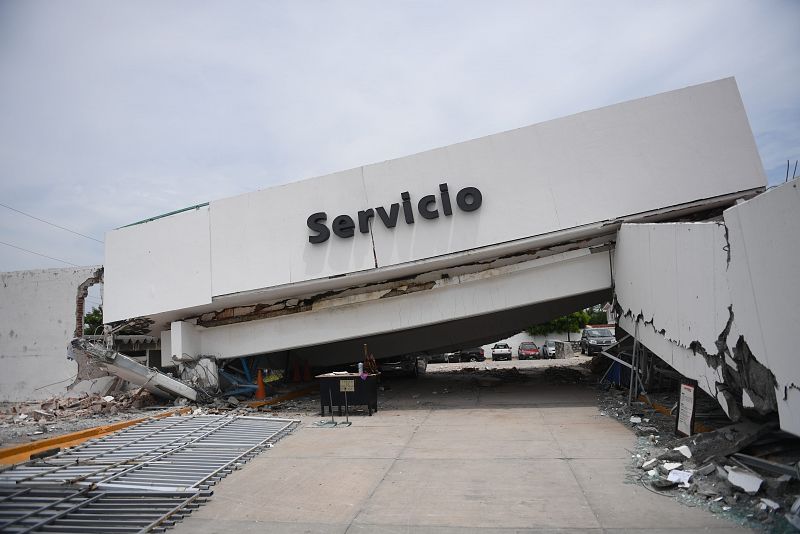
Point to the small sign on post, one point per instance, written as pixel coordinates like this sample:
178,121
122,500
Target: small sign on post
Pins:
685,423
347,386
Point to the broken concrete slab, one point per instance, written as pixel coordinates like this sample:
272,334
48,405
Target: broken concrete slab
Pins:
669,466
93,386
156,382
41,414
793,516
649,464
679,476
746,480
769,504
662,483
707,469
776,487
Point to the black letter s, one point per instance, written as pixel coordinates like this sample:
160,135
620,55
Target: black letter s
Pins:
314,222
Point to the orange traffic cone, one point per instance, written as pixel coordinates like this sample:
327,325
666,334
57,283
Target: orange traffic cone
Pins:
261,391
307,372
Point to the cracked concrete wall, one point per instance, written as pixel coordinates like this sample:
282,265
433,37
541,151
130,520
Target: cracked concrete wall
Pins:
37,321
717,300
764,235
671,279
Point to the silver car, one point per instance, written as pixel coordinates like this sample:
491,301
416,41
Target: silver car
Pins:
548,349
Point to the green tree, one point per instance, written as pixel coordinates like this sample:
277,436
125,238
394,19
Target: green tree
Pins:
571,323
93,321
596,315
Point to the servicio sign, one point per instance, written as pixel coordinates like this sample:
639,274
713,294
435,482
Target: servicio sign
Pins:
467,199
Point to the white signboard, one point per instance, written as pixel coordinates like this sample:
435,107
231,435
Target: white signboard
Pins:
347,386
686,410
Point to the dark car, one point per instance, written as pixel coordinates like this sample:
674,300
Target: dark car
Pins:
472,355
452,357
406,364
528,350
596,340
437,358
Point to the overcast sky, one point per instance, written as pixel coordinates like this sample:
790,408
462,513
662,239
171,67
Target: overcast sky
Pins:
115,111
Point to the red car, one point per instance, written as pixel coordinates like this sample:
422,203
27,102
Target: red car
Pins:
527,351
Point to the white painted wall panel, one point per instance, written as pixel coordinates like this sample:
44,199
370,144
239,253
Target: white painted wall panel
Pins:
166,348
261,239
184,341
158,266
37,322
763,279
629,158
642,155
674,274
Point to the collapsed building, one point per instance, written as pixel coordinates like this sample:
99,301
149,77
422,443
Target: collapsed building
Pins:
658,204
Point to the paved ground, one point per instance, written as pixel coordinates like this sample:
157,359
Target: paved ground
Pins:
445,455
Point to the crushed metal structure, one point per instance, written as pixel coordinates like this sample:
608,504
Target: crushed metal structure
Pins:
116,363
141,479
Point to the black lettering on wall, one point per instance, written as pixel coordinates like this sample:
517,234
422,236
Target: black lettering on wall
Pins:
390,221
407,211
314,222
343,226
424,207
445,194
363,220
469,199
429,207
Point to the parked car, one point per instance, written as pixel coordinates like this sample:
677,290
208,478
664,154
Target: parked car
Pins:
595,340
548,349
453,357
472,355
406,364
528,350
501,351
437,358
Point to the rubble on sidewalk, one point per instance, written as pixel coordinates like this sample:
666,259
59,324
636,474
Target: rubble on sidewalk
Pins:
29,421
748,471
691,469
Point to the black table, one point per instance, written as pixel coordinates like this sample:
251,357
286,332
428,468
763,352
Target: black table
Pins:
360,391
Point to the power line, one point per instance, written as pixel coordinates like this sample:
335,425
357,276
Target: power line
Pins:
32,252
51,224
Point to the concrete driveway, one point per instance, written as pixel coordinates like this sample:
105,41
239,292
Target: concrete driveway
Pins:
444,455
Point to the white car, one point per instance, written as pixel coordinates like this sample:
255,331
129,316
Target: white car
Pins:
501,351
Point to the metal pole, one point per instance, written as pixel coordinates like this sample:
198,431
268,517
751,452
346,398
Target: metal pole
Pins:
633,361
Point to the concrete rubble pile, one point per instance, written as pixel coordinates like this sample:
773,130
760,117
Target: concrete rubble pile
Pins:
708,469
21,422
748,471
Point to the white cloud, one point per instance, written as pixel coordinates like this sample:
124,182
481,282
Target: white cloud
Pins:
115,112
